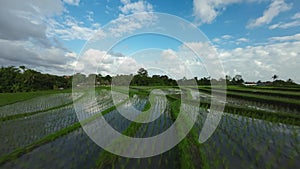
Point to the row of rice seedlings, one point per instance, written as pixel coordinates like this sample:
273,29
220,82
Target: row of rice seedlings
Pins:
51,137
21,132
36,104
107,159
165,160
190,155
258,90
139,130
73,150
236,135
255,104
26,114
286,102
244,141
280,117
260,105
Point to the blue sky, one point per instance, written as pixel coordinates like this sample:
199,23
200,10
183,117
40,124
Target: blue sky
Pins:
254,38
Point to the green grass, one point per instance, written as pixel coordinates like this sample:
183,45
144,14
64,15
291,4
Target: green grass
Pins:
190,155
10,98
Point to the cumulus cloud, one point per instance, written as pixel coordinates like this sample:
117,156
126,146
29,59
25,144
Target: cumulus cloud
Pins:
135,7
275,8
30,15
24,40
261,62
206,11
142,17
72,2
280,56
226,37
169,54
25,53
243,40
97,61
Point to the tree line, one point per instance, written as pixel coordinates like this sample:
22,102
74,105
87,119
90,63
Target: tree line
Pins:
22,79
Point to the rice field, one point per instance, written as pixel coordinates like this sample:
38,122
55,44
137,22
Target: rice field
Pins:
45,132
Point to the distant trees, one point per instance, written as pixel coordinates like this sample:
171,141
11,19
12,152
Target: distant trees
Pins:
142,72
142,79
13,79
237,80
22,79
204,81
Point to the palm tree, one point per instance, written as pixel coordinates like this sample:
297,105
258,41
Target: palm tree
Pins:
274,77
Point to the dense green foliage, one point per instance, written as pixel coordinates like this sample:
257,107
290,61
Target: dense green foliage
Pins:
20,79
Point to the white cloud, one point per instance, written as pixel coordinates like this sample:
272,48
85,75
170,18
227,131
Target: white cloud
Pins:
296,16
72,2
142,17
71,29
295,37
285,25
261,62
89,16
169,54
127,25
216,40
281,57
243,40
135,7
97,61
23,39
206,11
275,8
226,37
26,53
30,15
264,66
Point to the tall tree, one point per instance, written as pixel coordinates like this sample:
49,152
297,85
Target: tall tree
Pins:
274,77
142,72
